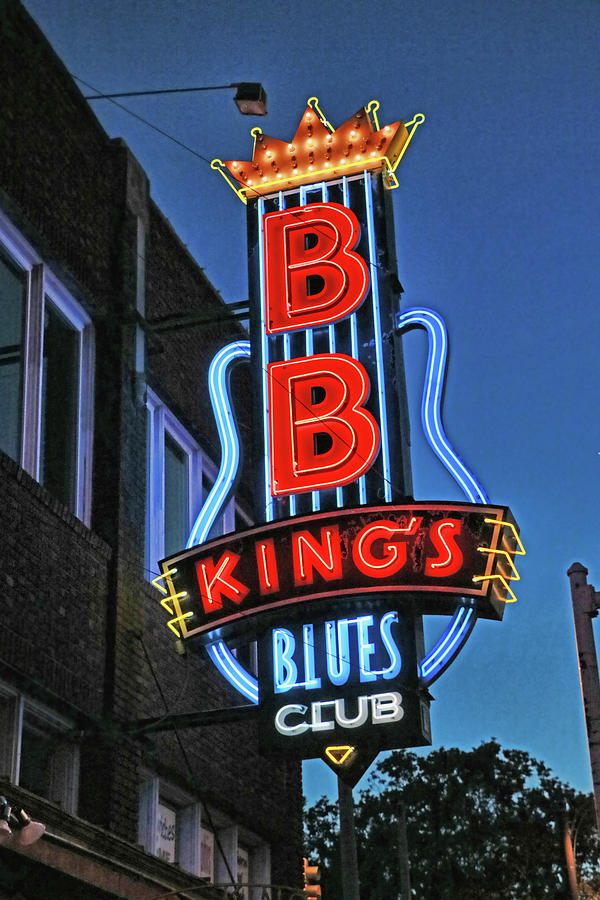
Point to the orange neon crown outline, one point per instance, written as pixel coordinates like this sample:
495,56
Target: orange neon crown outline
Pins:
319,152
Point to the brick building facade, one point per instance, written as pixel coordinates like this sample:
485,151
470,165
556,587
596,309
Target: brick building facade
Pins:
106,447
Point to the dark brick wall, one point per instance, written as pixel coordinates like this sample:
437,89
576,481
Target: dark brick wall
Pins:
81,626
55,159
54,574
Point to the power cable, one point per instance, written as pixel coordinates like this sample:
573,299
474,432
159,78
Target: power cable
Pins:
144,121
166,134
186,758
188,90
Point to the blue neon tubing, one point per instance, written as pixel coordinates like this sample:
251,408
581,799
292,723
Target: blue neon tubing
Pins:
463,621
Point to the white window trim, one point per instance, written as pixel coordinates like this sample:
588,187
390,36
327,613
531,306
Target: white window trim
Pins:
42,283
152,791
190,822
160,421
50,721
260,860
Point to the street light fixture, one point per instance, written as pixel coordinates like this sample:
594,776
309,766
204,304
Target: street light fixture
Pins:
250,97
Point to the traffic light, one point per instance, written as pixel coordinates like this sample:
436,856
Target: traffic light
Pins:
312,877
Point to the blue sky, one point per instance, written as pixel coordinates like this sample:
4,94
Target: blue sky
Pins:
497,229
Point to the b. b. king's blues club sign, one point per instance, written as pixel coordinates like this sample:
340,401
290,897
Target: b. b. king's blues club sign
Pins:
334,579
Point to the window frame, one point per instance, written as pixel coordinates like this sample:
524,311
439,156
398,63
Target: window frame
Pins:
153,792
64,779
190,820
42,286
162,421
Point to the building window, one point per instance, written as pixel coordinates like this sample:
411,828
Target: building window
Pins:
243,871
60,388
12,311
180,477
207,854
177,828
253,865
166,832
35,750
169,824
177,495
46,372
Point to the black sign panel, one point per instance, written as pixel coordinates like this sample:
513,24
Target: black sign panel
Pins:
334,684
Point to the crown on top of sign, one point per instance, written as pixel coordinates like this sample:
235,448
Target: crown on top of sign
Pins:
318,152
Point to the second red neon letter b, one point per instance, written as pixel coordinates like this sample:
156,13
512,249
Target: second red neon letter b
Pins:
321,435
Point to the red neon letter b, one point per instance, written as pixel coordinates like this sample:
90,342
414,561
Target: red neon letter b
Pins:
312,275
321,436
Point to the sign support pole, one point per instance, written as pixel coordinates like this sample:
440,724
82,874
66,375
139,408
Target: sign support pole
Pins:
585,608
403,853
348,856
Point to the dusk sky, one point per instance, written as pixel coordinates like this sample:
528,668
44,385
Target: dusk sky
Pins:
497,224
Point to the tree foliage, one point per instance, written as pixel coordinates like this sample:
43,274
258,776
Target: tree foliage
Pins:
487,823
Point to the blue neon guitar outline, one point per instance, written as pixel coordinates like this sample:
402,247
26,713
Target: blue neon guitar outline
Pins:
463,621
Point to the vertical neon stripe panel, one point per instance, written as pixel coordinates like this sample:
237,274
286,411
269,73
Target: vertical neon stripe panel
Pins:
383,424
264,359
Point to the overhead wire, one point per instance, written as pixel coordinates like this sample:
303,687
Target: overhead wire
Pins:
166,134
205,807
143,120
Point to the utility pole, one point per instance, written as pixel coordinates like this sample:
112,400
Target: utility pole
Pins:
403,853
585,607
348,856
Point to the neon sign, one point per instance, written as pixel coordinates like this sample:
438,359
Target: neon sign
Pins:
351,678
319,397
317,150
308,244
436,552
384,708
341,560
336,658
